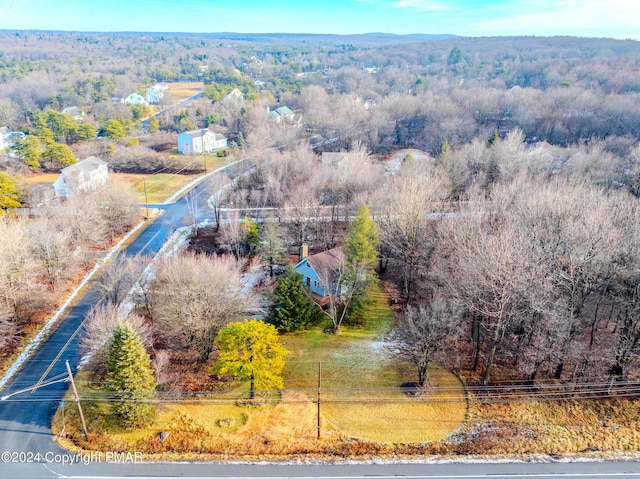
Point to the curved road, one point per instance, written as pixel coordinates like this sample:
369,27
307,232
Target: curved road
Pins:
25,418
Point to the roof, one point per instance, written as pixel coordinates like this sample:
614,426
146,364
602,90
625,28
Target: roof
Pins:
73,111
87,165
283,111
203,132
327,260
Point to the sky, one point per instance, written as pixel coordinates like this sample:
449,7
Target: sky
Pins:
585,18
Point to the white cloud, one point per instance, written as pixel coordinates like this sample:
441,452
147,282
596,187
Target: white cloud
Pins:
614,18
424,5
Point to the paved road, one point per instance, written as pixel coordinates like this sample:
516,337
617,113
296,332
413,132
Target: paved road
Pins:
25,418
183,103
96,469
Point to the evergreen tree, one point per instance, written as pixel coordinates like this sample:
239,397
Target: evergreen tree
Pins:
292,309
113,129
29,149
250,350
130,377
493,139
361,249
57,155
153,125
362,240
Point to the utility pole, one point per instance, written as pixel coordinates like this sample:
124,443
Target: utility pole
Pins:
63,424
146,202
319,385
75,392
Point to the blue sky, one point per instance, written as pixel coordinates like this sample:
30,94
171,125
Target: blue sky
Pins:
597,18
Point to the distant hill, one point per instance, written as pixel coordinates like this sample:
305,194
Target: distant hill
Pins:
376,38
356,39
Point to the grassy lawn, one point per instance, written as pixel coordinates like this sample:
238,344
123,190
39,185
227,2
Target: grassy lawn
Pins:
159,186
361,383
360,399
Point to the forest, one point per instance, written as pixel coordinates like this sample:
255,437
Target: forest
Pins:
508,226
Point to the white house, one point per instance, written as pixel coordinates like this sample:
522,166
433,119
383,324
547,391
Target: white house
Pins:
156,93
316,269
75,112
135,99
197,142
8,137
233,98
5,135
88,174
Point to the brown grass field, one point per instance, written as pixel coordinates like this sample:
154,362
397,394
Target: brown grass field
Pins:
40,178
181,91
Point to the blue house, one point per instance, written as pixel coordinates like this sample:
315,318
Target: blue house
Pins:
317,269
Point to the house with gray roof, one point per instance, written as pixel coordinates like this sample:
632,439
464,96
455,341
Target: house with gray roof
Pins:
136,99
317,269
155,94
198,142
283,113
75,112
88,174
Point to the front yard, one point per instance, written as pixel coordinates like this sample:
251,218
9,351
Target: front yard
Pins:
361,401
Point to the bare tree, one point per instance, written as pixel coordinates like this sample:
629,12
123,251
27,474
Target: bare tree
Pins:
51,246
427,329
18,270
119,276
192,297
97,331
8,330
217,186
343,283
492,275
272,247
117,209
301,212
411,207
233,233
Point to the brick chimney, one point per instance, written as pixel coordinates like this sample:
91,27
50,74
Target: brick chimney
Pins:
303,251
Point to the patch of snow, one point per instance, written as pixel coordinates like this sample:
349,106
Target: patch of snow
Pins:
392,165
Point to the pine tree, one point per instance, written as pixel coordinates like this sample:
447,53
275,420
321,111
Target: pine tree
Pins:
362,240
361,249
250,350
130,377
292,309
